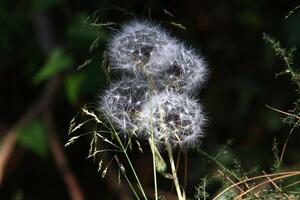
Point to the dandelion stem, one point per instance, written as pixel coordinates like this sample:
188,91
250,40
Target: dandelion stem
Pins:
152,145
151,140
174,173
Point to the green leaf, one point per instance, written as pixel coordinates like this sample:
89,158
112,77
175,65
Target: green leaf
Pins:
58,60
160,164
73,83
34,137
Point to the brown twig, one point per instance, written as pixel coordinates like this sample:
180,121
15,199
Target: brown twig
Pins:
276,186
9,141
229,179
44,34
283,112
265,182
280,174
290,133
7,147
286,142
60,160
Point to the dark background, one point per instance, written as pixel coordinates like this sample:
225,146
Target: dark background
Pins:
242,81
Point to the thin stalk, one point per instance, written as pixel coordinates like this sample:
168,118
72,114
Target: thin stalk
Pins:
174,173
132,168
152,143
129,183
129,161
154,166
220,164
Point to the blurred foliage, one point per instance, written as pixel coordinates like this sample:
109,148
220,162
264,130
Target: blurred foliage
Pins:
228,34
34,137
58,60
287,56
73,83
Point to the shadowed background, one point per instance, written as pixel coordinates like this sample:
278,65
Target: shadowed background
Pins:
43,42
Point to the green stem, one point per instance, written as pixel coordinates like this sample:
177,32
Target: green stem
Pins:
152,145
131,166
219,163
129,183
128,160
151,140
174,173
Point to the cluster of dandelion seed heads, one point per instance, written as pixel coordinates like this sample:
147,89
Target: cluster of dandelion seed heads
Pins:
153,99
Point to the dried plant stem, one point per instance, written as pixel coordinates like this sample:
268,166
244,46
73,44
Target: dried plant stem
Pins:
280,175
291,131
70,180
263,183
174,173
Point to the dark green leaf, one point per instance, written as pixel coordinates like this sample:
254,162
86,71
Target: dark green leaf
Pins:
73,83
34,137
58,60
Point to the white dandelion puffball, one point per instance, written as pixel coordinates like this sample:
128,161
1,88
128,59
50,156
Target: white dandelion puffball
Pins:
186,73
141,48
173,118
121,102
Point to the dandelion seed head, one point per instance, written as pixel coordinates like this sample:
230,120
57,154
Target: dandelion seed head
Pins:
173,118
186,73
141,48
121,102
